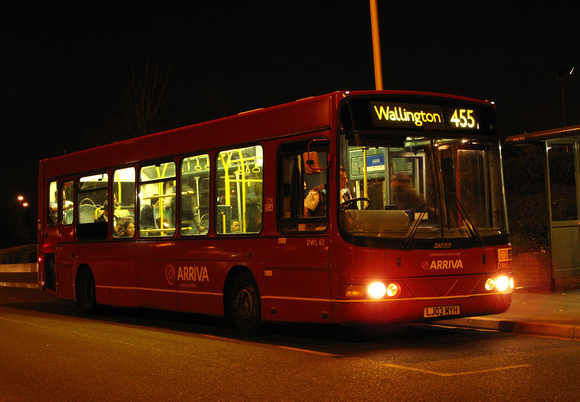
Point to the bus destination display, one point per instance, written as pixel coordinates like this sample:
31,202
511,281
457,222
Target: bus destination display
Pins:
415,116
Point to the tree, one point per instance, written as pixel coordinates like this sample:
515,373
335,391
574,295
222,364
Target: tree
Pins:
145,95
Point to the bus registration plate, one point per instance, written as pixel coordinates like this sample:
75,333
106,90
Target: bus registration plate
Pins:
430,312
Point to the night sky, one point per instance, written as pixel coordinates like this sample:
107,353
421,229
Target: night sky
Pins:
66,66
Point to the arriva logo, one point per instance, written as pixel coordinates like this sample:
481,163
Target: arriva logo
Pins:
185,274
170,274
442,264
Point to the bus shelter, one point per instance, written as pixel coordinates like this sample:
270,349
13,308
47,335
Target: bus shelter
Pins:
562,161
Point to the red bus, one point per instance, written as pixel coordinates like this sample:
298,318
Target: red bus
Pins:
370,207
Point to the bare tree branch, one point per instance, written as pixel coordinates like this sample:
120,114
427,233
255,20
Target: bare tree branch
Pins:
145,95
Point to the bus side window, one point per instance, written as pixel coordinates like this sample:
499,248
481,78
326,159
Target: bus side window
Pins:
52,213
123,202
92,199
302,187
194,195
157,200
239,188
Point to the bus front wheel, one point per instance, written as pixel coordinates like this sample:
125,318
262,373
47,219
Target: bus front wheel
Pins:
86,292
244,304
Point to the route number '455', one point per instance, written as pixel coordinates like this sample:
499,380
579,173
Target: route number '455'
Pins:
463,118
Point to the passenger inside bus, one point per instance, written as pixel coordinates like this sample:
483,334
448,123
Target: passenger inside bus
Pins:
128,229
345,194
315,180
166,225
67,207
164,207
404,197
315,201
104,217
253,214
190,210
147,220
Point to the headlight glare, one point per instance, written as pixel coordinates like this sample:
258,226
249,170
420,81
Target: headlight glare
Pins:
502,283
377,290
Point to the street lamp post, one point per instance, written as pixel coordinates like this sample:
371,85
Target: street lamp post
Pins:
376,45
564,73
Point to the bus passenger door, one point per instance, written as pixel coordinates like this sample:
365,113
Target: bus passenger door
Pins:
48,216
65,243
296,285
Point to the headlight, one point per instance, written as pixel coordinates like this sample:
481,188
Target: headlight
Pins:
502,283
489,284
392,290
377,290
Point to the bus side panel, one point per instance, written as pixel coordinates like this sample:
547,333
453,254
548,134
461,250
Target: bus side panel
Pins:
297,293
65,289
113,271
122,289
153,285
191,301
199,284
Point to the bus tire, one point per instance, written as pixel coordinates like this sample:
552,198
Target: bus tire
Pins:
86,292
244,304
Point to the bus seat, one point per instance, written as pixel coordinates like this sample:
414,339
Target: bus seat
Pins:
375,221
69,216
87,213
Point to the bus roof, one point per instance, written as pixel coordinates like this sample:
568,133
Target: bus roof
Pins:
310,114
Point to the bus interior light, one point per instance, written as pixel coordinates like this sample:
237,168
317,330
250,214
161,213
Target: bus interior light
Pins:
377,290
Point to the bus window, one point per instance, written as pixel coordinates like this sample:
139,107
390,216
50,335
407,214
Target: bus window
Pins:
123,202
93,207
194,195
67,191
239,190
303,190
157,200
52,204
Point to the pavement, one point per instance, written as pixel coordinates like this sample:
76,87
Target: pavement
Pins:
532,312
19,276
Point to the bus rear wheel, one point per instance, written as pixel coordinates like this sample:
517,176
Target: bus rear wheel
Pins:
86,292
244,304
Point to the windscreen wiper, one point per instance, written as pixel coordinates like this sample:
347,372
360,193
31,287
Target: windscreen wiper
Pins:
418,221
468,221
